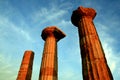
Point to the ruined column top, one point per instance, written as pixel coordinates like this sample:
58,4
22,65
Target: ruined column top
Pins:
29,52
82,12
52,31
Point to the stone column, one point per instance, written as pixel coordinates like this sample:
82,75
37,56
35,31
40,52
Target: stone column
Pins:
25,71
94,64
49,64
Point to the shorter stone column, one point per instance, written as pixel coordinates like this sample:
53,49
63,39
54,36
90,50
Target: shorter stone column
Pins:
49,64
25,71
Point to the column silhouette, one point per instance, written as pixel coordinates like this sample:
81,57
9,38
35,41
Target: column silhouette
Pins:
25,71
94,64
49,64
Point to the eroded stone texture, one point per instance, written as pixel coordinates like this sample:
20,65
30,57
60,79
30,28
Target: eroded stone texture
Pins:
25,71
94,64
49,66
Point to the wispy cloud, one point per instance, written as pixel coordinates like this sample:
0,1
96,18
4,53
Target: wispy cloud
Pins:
13,36
7,68
9,29
109,48
47,15
112,59
52,14
12,20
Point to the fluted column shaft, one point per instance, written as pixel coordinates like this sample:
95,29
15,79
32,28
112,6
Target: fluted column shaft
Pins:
94,64
49,65
93,58
49,60
25,71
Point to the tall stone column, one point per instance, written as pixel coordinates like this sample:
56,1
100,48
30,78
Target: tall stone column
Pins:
25,71
94,64
49,65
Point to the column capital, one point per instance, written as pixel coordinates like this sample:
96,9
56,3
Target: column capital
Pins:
52,31
82,12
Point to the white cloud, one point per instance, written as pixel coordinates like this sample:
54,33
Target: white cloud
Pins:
66,5
47,15
112,59
52,14
7,69
13,39
112,56
8,28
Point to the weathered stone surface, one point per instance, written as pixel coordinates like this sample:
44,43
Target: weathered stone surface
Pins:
25,71
52,31
94,64
49,64
82,12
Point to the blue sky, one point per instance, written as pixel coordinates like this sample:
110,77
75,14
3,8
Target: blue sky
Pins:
21,23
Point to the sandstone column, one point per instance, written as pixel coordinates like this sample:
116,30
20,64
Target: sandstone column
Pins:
94,64
25,71
49,65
